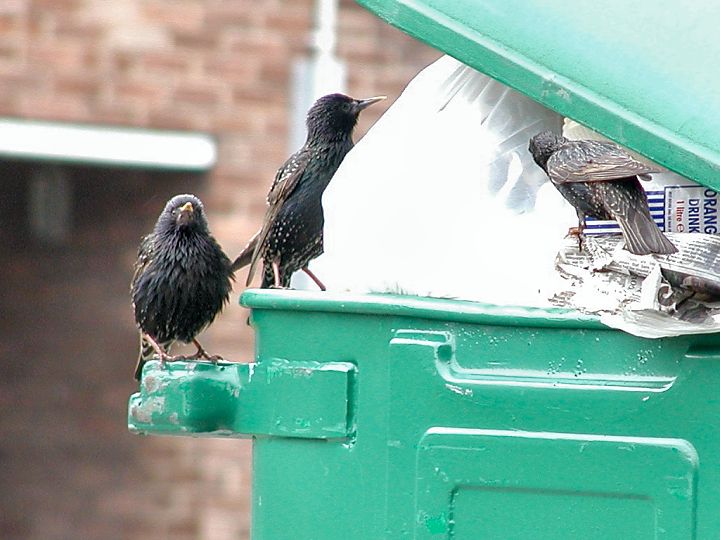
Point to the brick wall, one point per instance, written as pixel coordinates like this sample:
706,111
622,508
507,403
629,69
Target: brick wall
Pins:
69,467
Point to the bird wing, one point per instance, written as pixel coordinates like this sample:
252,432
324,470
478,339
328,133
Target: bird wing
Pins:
594,161
627,204
285,182
144,257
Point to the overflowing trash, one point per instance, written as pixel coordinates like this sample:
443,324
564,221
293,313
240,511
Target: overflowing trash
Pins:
648,296
442,198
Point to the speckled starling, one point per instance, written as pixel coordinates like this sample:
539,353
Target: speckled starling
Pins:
600,180
182,280
292,230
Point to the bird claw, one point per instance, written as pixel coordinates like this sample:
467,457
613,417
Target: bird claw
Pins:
202,355
215,358
176,358
577,231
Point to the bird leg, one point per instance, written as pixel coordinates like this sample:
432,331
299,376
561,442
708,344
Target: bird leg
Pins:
578,231
202,354
314,278
164,356
276,274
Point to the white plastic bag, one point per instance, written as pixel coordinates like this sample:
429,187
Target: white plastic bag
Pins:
441,197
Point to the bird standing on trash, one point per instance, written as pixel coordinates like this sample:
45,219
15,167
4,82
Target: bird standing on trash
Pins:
600,180
292,230
182,280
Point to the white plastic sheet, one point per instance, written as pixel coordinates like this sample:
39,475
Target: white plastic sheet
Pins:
441,197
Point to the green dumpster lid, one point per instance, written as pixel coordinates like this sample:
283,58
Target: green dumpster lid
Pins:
642,73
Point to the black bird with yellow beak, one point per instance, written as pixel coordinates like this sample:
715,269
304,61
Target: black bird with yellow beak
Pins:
181,282
292,231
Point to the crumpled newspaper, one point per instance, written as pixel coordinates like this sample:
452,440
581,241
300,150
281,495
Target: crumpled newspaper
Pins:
645,295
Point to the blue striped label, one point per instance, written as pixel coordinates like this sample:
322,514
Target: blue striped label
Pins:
674,209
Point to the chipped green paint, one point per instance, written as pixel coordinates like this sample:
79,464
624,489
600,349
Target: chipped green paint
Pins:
435,524
276,397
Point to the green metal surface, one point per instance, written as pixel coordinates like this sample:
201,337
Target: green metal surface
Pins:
471,482
278,398
471,424
442,419
642,72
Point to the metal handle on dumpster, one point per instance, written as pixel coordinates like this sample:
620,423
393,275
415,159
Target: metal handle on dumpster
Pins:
275,397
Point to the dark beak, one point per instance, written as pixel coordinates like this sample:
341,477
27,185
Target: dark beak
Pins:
185,215
361,104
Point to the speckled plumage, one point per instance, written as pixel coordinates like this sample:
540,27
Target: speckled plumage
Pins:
601,180
182,277
292,231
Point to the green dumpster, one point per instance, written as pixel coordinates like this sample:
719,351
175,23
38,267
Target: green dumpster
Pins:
390,417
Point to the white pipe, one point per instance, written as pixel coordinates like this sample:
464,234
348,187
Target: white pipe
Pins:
325,37
318,74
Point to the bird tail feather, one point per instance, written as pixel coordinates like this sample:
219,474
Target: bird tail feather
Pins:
268,280
642,235
148,353
246,255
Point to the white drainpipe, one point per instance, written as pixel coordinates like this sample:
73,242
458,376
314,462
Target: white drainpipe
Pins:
318,74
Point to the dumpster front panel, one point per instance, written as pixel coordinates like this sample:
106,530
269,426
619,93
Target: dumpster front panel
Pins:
465,429
506,484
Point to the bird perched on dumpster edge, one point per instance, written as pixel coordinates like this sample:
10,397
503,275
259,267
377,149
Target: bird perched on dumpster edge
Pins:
182,280
601,180
292,230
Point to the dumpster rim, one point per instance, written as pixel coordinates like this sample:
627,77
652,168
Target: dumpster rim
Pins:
449,310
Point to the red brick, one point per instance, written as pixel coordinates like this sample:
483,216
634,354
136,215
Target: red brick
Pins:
165,61
148,92
9,23
179,117
268,45
78,30
54,108
181,15
198,94
118,114
195,40
237,14
14,7
57,57
77,84
232,68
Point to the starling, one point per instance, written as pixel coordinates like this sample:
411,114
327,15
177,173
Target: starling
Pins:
292,231
601,180
182,280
